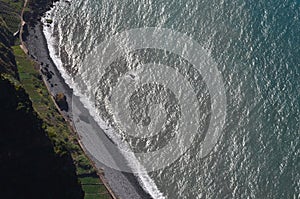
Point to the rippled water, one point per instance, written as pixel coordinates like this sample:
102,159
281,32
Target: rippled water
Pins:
256,45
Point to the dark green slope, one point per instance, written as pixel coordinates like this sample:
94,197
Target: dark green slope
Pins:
29,166
7,60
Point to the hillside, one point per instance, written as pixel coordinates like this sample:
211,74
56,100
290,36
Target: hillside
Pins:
39,152
30,166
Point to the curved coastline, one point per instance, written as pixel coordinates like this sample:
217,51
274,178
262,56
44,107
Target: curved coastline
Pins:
124,185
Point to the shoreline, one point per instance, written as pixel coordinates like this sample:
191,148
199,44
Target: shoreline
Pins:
124,185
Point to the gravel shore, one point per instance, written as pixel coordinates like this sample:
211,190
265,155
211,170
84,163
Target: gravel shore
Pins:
124,185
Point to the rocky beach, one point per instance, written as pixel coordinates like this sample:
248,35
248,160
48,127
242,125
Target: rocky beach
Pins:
124,185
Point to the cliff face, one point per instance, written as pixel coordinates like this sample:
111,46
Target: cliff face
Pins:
7,60
29,166
38,8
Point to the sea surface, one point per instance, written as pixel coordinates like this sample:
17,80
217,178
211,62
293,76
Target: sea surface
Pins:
256,48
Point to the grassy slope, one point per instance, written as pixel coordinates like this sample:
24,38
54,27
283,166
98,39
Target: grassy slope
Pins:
57,129
10,11
62,139
30,168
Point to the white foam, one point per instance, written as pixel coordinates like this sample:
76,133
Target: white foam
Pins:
144,179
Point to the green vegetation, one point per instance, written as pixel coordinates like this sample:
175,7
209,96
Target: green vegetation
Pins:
63,139
10,12
39,151
7,60
30,168
15,5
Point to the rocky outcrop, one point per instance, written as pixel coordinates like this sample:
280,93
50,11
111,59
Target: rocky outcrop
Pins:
37,9
61,101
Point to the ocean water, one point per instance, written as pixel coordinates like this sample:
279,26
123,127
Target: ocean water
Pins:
256,48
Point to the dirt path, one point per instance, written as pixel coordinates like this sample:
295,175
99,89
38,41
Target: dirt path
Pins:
22,45
25,49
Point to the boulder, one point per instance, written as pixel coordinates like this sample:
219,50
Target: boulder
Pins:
61,101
